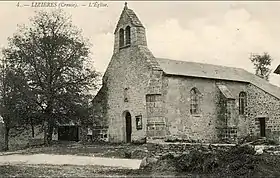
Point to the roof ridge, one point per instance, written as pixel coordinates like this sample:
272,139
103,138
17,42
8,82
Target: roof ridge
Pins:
263,80
201,63
205,70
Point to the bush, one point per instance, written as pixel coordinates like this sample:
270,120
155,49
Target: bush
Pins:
236,161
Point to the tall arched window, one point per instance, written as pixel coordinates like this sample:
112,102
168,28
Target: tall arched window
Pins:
242,102
194,101
121,37
127,35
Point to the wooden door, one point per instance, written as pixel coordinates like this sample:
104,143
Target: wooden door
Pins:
128,127
262,127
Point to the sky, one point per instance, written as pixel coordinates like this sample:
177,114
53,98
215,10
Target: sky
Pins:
222,33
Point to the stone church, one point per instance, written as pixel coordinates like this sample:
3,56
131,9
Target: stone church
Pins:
145,97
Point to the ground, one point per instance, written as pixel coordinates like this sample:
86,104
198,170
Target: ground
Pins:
239,161
78,171
97,150
70,149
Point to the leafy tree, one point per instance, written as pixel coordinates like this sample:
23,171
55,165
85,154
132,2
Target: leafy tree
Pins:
52,59
12,104
262,63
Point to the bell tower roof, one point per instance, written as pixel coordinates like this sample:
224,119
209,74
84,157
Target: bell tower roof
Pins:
131,18
129,31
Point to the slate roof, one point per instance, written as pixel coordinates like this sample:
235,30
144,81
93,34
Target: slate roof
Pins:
202,70
225,91
132,17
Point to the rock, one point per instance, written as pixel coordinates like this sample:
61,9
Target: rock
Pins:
259,152
151,160
171,138
143,163
259,149
139,153
146,161
140,141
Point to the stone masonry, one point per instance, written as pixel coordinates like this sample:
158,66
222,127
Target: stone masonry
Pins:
263,105
158,100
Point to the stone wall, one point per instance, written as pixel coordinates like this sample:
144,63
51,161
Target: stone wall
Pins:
35,142
100,105
241,122
162,148
208,123
133,74
98,118
128,70
263,105
180,122
138,34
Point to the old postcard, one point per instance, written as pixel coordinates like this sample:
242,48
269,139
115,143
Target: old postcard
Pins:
139,89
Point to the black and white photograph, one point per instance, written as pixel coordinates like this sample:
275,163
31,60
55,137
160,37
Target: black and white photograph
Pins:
140,89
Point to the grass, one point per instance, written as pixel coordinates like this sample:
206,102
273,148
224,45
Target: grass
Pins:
238,161
97,150
74,148
80,171
65,171
19,141
18,138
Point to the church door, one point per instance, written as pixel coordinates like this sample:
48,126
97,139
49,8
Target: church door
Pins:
128,127
262,127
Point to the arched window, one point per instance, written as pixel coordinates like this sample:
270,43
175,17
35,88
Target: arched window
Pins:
127,35
242,102
121,37
194,101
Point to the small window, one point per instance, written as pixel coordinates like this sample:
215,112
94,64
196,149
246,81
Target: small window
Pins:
89,132
139,122
125,95
121,37
153,97
242,102
127,35
194,107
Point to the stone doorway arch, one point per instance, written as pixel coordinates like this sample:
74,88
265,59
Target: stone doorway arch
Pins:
128,127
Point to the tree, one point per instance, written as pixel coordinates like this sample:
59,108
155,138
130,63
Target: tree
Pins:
52,59
11,101
262,63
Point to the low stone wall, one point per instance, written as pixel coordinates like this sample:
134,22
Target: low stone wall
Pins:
160,148
35,142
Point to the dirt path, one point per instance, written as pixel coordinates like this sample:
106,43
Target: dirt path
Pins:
68,160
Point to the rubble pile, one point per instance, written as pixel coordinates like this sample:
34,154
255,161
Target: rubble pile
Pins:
241,160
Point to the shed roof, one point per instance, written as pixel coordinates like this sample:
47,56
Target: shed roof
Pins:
202,70
225,91
277,70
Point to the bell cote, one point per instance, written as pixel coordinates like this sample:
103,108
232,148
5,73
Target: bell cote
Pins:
129,31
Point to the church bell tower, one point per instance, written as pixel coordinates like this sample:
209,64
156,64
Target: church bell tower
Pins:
129,31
